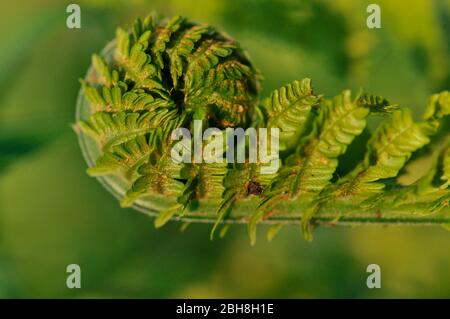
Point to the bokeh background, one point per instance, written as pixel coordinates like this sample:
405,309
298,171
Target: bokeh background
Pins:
52,214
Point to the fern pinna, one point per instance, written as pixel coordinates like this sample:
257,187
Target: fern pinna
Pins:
163,74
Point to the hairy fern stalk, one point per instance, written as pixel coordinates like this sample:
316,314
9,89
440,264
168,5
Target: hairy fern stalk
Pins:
163,74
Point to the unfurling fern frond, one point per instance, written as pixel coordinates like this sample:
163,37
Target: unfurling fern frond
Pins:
163,75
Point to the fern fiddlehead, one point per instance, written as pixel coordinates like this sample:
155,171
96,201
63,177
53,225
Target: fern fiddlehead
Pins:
162,75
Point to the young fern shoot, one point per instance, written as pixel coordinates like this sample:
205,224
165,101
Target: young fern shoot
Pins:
164,75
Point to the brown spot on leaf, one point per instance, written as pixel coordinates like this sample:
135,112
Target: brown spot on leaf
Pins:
254,188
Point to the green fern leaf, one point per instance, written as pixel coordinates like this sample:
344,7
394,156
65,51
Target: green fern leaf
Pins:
125,158
136,62
288,109
115,128
337,124
181,49
242,182
140,26
162,37
117,99
388,151
163,74
106,76
164,216
307,173
202,60
162,177
227,90
273,231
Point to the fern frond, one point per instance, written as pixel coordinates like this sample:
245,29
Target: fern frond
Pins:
426,196
140,26
164,74
162,177
164,216
224,209
202,60
392,146
226,89
242,182
310,170
117,99
162,37
209,179
106,76
182,48
125,158
273,231
252,224
388,150
203,182
132,56
288,109
115,128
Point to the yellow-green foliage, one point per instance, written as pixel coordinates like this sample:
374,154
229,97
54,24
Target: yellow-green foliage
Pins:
166,73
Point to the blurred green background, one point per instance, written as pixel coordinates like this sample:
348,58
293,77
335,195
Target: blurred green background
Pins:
52,214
